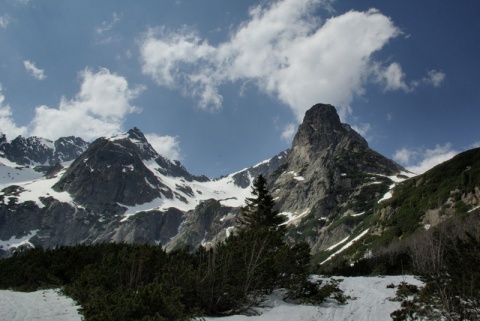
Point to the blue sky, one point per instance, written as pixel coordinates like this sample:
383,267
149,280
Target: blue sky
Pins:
223,85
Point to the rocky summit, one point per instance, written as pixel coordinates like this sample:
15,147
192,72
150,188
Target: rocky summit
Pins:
330,173
330,185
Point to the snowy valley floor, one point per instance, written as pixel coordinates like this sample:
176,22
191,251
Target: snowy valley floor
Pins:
44,305
370,301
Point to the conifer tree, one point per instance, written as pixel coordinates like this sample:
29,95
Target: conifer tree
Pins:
258,211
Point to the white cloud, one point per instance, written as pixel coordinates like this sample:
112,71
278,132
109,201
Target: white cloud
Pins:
99,109
4,21
475,145
103,32
7,123
286,52
33,70
289,132
403,156
107,26
393,78
420,160
282,49
435,78
362,129
167,146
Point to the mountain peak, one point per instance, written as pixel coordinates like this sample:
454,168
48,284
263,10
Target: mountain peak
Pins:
3,139
321,130
136,134
322,112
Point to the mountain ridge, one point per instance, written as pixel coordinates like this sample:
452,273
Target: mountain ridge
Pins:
330,185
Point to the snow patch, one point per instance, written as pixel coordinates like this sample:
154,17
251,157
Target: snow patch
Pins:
229,230
388,195
14,242
359,214
473,209
295,217
296,176
346,246
341,242
371,302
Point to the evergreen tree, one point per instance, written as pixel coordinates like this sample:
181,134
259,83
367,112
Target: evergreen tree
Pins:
258,211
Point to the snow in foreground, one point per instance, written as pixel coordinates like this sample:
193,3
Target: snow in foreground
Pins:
370,301
44,305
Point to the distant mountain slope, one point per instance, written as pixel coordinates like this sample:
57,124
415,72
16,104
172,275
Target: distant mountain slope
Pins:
449,190
336,192
118,189
40,151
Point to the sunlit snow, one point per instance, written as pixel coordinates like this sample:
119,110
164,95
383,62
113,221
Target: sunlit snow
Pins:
295,217
43,305
337,244
14,242
371,300
346,246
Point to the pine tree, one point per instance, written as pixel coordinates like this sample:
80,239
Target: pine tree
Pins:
258,211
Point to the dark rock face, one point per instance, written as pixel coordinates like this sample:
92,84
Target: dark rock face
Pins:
3,139
328,165
67,149
175,169
208,224
111,172
243,178
150,227
34,150
27,151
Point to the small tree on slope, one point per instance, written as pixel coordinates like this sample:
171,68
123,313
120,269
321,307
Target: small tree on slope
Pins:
258,213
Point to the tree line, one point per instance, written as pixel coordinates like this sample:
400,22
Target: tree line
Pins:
143,282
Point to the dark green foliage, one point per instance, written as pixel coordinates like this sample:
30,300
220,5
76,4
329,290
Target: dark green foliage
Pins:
258,211
451,294
414,197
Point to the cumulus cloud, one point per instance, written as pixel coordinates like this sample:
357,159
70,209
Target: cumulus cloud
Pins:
7,123
420,160
99,109
167,146
33,70
434,78
286,52
393,77
289,132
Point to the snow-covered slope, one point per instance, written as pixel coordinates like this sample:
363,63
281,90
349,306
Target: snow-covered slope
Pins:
98,196
370,302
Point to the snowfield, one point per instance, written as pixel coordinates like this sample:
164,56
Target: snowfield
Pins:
370,302
45,305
